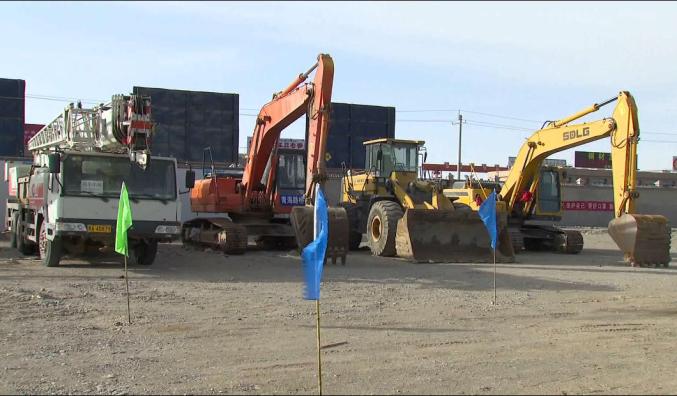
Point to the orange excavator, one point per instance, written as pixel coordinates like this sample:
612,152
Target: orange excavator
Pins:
254,202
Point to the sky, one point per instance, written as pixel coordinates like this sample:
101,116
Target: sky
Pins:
507,66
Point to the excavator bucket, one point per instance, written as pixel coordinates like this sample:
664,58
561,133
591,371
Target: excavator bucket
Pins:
303,224
643,239
449,236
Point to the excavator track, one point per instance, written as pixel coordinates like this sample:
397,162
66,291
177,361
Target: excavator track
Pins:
569,242
217,233
517,240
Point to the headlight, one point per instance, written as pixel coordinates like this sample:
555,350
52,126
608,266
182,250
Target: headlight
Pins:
71,227
167,229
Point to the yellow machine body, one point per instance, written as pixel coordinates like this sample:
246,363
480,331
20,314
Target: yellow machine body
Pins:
407,217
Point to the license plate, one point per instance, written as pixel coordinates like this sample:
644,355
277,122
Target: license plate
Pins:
99,228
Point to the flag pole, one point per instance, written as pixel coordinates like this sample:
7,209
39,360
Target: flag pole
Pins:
317,306
319,348
129,315
494,276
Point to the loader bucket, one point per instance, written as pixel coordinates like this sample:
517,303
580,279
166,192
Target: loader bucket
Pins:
449,236
643,239
303,224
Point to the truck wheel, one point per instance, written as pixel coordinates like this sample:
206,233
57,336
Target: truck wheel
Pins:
12,235
50,251
382,228
22,245
145,252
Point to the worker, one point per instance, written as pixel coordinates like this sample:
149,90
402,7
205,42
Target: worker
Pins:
478,200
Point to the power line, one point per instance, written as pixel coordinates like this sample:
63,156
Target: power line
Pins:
659,141
443,121
479,123
500,116
468,111
52,98
506,126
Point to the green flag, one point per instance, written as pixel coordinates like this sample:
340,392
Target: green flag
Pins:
124,222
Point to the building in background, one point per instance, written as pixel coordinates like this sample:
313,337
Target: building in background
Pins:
12,117
350,126
189,121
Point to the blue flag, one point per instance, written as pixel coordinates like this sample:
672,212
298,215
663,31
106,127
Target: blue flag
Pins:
313,254
487,213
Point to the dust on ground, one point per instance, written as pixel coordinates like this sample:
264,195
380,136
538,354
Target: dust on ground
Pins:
204,322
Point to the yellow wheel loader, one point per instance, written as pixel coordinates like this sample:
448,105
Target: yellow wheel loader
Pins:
532,192
411,218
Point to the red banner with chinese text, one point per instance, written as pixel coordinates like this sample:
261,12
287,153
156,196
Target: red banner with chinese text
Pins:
594,206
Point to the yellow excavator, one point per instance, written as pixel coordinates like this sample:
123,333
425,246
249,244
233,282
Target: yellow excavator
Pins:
532,192
411,218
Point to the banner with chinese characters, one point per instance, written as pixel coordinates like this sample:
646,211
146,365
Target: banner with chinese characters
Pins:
291,200
591,159
593,206
284,143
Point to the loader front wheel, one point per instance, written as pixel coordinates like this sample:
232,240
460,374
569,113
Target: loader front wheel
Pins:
382,228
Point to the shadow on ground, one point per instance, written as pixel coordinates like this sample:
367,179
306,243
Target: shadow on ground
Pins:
176,263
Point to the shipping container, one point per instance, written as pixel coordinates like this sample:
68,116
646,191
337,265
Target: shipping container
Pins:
12,114
189,121
350,126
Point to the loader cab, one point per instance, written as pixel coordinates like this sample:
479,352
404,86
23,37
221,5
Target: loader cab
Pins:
383,156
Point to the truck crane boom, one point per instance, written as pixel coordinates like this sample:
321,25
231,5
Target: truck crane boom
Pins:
122,126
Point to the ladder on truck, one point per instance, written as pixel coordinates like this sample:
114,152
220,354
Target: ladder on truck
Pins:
122,126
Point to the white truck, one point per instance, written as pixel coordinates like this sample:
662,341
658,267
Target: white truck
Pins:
66,202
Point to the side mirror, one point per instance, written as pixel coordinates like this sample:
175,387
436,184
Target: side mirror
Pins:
379,155
190,178
54,162
425,157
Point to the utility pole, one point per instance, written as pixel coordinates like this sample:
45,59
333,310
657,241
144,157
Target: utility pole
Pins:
460,132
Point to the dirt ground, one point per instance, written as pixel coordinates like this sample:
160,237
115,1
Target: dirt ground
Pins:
208,323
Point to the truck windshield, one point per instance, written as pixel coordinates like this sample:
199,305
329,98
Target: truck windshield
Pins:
102,176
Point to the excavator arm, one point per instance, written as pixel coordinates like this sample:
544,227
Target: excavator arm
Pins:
623,130
287,106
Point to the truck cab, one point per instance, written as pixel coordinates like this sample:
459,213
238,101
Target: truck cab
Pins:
68,204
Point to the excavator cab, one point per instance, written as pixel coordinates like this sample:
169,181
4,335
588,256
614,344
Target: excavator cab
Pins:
290,180
545,201
549,195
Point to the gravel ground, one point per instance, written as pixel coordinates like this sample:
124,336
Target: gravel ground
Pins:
208,323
